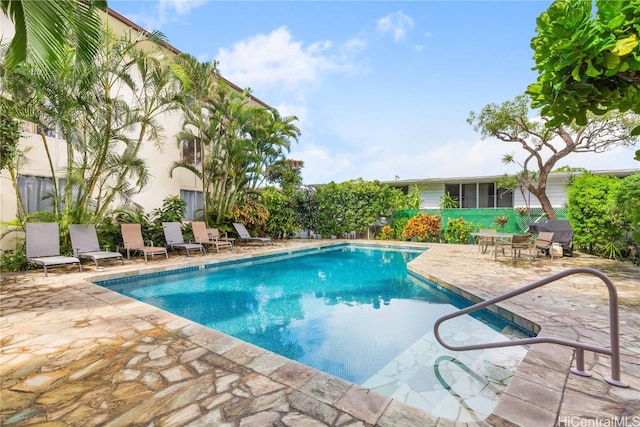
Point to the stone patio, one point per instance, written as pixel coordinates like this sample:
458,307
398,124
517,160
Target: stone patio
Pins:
74,353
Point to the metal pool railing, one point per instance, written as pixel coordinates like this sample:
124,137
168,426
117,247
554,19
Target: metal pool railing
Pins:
614,328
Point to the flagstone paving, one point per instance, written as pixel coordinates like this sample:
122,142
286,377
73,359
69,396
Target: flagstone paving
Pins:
74,353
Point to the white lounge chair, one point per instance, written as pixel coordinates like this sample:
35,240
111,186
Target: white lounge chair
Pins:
43,246
244,236
175,239
84,241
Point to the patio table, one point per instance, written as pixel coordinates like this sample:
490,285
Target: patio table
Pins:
496,239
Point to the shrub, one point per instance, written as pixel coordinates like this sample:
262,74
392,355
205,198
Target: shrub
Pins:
458,231
501,220
591,211
252,214
281,222
398,227
627,201
386,233
423,227
15,260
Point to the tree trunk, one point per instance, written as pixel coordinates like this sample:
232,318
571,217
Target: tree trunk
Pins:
546,206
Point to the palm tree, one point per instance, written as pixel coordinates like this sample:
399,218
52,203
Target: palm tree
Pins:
199,81
102,128
45,29
271,135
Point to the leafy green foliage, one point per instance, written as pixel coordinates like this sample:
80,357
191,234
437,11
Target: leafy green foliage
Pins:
173,209
587,62
307,206
252,213
458,231
414,197
354,205
628,210
423,227
448,202
628,201
610,250
282,213
398,225
240,146
103,128
9,135
44,31
15,260
386,233
591,204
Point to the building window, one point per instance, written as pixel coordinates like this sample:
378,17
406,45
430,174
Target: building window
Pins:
504,198
191,152
36,193
469,198
51,133
486,195
194,204
480,195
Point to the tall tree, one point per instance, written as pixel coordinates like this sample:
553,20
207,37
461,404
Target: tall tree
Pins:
199,80
271,136
103,113
587,62
544,146
45,29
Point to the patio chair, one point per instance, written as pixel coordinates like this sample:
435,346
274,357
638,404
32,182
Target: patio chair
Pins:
202,236
244,236
543,243
486,241
133,242
175,239
518,243
43,246
84,241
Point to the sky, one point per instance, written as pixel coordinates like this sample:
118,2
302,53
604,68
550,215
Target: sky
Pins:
382,89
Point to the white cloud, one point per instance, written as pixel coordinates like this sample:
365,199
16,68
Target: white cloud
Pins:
322,164
276,60
166,11
181,7
396,23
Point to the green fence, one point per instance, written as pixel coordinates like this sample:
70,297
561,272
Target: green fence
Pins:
485,218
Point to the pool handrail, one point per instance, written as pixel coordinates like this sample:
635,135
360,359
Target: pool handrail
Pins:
614,328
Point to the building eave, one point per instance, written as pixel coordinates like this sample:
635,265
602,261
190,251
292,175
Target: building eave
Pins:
493,178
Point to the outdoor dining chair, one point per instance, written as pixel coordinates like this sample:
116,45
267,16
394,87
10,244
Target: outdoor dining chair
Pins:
543,243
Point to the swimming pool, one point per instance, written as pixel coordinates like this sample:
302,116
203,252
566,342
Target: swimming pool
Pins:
351,311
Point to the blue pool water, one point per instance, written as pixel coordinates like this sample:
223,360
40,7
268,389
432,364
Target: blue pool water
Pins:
348,311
